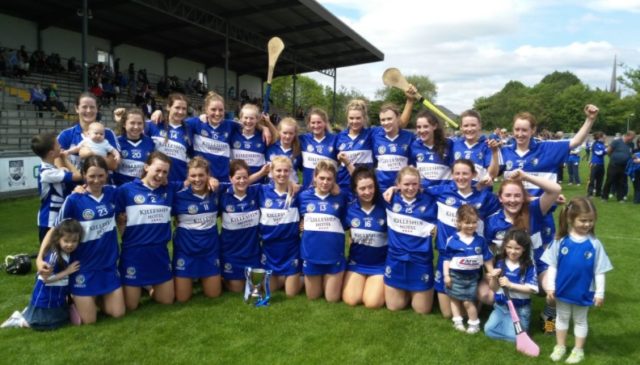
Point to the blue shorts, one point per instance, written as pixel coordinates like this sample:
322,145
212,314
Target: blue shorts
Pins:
311,269
541,266
439,277
407,275
185,266
282,258
365,269
45,319
235,271
94,283
145,265
464,285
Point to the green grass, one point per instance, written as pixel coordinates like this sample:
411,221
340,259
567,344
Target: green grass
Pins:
296,330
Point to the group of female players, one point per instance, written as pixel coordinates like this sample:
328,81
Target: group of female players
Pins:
197,171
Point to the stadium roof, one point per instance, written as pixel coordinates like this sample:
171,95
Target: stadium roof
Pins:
315,39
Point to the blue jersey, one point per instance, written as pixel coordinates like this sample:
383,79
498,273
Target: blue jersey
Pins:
176,144
148,213
213,143
497,225
279,216
434,169
449,199
466,255
134,155
196,233
599,150
323,235
512,272
251,149
54,294
51,189
359,151
72,137
240,225
98,249
541,160
391,155
368,234
410,226
276,149
314,151
479,153
577,261
574,155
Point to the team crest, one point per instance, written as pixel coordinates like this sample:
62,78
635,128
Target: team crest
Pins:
330,148
564,250
478,205
309,148
355,223
387,271
228,267
88,214
258,145
180,263
230,208
342,147
450,201
478,250
396,207
500,235
304,263
131,272
336,206
381,222
588,255
457,155
382,150
425,278
204,133
139,199
535,161
420,157
438,276
125,153
310,207
509,165
237,144
422,209
80,279
268,203
163,133
192,209
295,263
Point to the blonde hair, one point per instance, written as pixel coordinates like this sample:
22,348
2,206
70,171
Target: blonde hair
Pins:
568,214
390,107
198,162
281,160
361,106
290,122
322,114
250,107
325,165
407,170
211,97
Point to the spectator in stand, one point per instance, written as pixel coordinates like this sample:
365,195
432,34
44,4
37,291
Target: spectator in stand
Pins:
53,63
96,89
619,153
149,107
53,98
109,92
162,87
38,98
37,62
3,62
71,65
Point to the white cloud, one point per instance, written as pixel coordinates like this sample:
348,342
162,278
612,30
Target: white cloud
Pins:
614,5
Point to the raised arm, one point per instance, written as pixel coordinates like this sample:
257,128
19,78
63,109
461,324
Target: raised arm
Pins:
405,117
551,189
591,111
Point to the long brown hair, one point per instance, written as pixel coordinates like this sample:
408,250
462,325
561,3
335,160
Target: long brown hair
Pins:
521,220
172,98
523,239
439,140
295,145
569,213
66,227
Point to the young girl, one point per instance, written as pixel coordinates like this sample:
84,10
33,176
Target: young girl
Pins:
240,240
196,243
135,147
173,140
411,217
287,145
143,208
279,228
514,270
431,152
248,144
48,308
364,281
322,247
464,255
577,264
316,145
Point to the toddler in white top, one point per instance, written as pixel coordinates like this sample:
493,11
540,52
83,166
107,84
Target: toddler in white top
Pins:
95,144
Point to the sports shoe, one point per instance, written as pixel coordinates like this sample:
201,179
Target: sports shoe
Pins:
558,353
576,356
548,325
15,321
459,326
473,329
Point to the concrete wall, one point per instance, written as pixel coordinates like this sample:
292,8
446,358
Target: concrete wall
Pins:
15,32
142,58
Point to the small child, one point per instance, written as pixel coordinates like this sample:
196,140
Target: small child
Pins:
465,254
95,144
577,264
54,172
49,309
516,272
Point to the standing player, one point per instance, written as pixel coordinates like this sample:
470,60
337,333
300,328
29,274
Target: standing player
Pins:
431,152
287,145
248,145
474,146
135,147
317,145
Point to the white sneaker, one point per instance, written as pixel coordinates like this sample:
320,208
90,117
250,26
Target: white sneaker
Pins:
558,353
473,329
576,356
15,321
459,326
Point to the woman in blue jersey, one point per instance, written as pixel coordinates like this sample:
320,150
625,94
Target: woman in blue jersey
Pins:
135,147
144,221
366,217
322,248
431,152
287,145
240,240
248,145
411,217
97,253
316,145
279,228
87,109
174,139
474,146
196,243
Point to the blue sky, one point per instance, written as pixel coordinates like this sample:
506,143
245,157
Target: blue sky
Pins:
472,48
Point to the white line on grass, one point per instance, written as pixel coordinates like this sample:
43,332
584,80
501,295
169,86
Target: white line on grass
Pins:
622,238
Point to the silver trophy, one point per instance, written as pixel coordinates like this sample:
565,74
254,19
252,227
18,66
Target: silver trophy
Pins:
256,288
